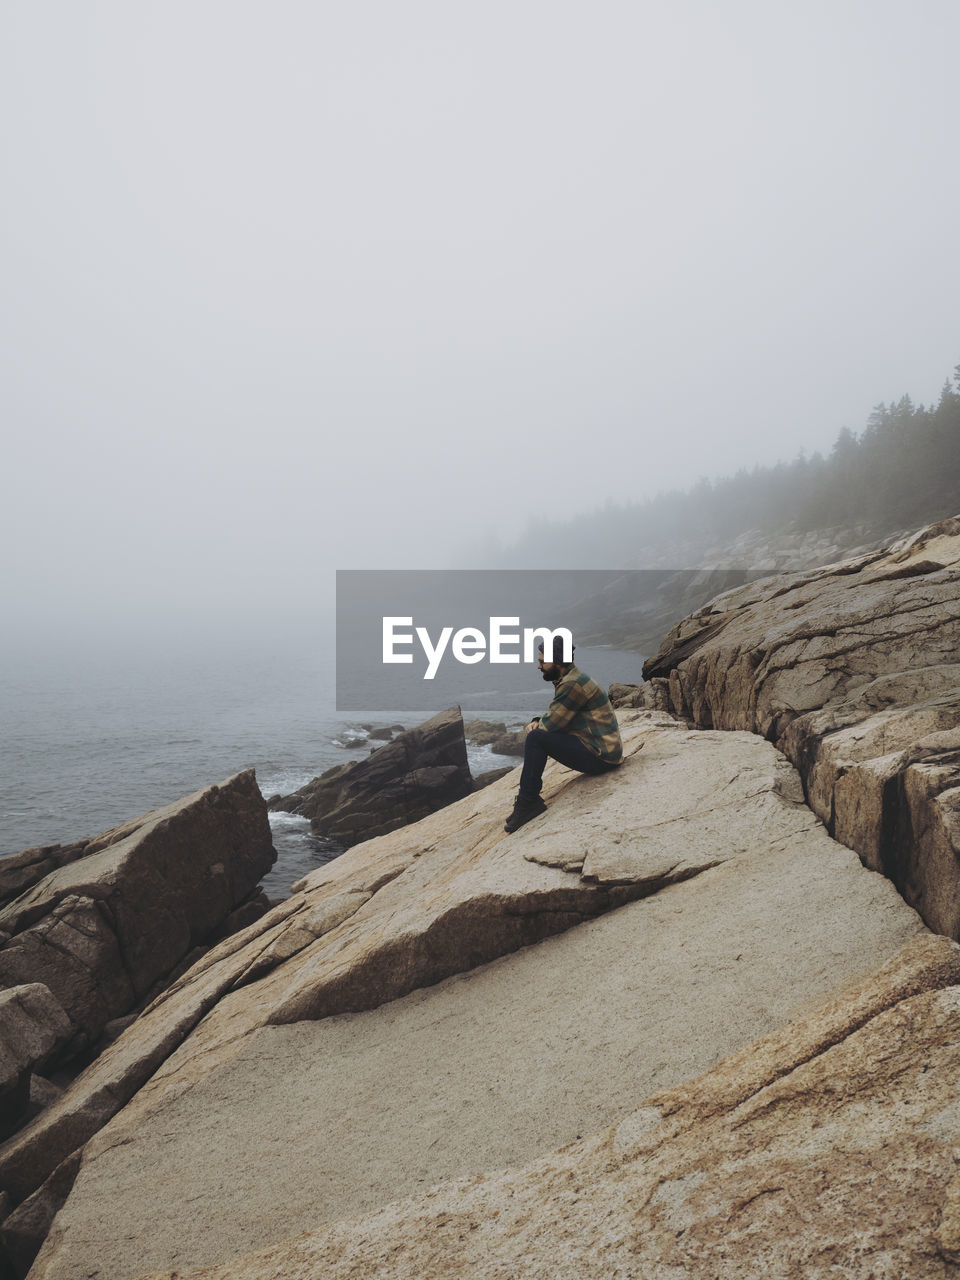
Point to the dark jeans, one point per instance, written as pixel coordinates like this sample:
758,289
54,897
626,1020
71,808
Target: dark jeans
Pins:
541,744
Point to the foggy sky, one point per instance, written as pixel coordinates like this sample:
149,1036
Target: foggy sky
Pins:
304,285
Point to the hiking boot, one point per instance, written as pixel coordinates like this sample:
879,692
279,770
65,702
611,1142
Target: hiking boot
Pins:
523,810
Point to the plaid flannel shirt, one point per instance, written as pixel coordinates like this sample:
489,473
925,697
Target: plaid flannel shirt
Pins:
581,707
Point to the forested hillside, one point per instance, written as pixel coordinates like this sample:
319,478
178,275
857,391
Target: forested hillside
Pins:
901,471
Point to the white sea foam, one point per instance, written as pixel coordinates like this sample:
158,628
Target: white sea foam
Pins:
283,782
281,820
483,758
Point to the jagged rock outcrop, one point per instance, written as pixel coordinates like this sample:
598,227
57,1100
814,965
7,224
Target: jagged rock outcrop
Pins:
825,1149
495,735
652,694
491,775
99,930
19,871
483,732
33,1026
368,999
417,773
636,608
853,672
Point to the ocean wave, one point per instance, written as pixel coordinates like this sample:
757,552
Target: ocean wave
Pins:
275,783
288,821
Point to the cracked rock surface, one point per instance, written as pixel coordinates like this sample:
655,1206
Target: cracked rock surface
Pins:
827,1148
417,773
33,1026
102,927
852,671
391,1026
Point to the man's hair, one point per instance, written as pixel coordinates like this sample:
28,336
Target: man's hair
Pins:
557,655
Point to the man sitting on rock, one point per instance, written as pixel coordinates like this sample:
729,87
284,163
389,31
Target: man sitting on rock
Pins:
580,730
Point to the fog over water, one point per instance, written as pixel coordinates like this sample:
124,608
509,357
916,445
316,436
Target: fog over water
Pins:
297,287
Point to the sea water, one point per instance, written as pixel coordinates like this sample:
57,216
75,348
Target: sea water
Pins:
93,736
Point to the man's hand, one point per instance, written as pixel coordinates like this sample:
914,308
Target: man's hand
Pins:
534,724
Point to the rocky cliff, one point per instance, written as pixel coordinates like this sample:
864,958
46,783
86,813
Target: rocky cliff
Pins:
672,1027
852,671
391,1025
90,930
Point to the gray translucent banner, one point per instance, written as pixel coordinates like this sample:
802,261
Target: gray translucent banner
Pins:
422,640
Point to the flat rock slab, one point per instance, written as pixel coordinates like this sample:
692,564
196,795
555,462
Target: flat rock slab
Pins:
284,1126
826,1149
410,908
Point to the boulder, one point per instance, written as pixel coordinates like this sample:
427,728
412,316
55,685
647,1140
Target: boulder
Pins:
496,735
252,908
19,871
33,1026
825,1149
852,671
624,695
682,905
490,775
483,732
652,694
100,930
417,773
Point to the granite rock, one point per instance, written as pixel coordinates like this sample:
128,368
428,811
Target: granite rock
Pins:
408,959
827,1148
419,771
100,930
33,1026
851,671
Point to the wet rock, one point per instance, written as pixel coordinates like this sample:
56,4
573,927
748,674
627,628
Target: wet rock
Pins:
483,732
490,775
418,772
496,735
